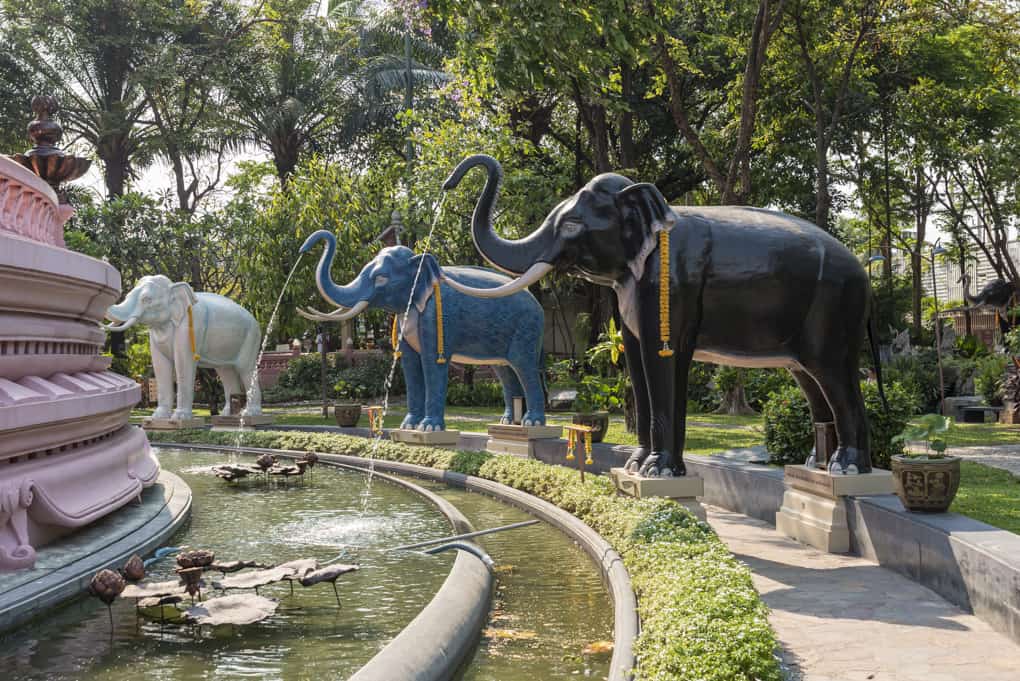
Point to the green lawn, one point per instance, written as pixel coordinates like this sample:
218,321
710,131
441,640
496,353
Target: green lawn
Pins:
990,495
971,434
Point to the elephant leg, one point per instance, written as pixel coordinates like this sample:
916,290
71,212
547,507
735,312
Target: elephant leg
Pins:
252,392
527,373
185,366
842,390
163,367
642,409
511,388
676,466
436,378
820,412
231,386
414,378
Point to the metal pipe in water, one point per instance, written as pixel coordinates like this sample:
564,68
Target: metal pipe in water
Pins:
468,535
475,550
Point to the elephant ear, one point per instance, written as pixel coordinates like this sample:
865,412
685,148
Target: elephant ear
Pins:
430,273
181,298
643,213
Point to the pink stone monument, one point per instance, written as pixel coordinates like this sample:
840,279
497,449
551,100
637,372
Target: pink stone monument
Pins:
67,454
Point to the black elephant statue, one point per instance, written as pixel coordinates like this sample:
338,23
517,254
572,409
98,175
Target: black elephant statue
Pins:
996,294
725,284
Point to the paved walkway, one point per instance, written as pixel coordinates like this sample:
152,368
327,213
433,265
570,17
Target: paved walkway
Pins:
843,618
1006,457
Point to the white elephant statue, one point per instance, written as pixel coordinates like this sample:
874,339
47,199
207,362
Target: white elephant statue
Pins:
189,330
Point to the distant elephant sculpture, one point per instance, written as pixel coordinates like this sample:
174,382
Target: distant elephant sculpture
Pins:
506,334
731,285
189,330
995,294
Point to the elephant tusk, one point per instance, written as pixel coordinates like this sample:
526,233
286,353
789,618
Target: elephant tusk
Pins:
338,311
114,328
340,315
534,273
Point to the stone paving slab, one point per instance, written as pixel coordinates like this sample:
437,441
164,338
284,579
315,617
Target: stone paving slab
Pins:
844,618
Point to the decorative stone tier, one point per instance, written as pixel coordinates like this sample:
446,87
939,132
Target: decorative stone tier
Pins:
41,498
28,206
67,455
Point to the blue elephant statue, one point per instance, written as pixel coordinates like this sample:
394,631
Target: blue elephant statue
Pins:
443,324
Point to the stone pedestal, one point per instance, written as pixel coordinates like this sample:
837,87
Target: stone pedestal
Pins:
519,440
236,422
813,511
435,438
172,424
684,490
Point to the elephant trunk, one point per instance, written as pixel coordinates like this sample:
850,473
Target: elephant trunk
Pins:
967,295
125,313
511,256
349,296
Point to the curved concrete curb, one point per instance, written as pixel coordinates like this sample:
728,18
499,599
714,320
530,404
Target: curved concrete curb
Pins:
64,568
626,624
442,637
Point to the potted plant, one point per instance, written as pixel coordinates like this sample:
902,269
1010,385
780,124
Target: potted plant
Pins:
927,482
595,397
348,410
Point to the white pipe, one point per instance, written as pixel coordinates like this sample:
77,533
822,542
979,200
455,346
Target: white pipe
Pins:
534,273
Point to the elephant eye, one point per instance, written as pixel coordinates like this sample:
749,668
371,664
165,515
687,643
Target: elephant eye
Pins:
381,280
570,229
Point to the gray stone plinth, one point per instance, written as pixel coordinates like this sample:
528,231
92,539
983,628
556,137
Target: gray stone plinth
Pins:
823,483
435,438
684,490
63,568
238,422
151,423
519,440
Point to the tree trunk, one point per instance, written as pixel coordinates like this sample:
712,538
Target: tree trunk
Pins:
823,200
916,290
734,402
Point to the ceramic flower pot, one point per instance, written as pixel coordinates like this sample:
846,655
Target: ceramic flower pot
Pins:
598,421
926,485
347,415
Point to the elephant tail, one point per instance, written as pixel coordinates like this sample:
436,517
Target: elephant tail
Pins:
873,342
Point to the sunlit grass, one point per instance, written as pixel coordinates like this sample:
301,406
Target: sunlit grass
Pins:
990,495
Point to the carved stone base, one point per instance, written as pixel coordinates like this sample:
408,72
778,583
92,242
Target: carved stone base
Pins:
435,438
517,440
237,422
813,512
823,483
684,490
172,424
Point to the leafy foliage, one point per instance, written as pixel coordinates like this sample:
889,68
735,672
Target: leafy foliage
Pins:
789,436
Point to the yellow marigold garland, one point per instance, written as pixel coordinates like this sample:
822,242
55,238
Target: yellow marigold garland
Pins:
664,333
375,419
440,359
191,335
395,339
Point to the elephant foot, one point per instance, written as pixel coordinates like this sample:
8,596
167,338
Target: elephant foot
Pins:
226,410
533,419
663,465
507,418
161,413
251,411
410,422
182,415
849,461
635,460
431,424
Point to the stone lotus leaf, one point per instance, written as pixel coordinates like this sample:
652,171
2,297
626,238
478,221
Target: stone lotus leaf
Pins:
171,587
234,609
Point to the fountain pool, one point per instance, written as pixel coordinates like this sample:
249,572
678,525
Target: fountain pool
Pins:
549,605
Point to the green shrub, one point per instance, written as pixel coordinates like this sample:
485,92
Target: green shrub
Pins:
701,617
481,394
759,384
988,378
788,433
789,436
918,373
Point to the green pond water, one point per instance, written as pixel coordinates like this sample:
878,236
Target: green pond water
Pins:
549,604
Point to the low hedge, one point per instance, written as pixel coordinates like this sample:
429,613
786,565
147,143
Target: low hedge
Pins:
789,437
701,617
